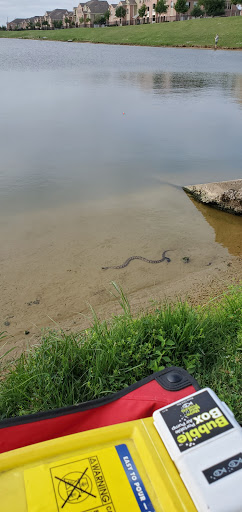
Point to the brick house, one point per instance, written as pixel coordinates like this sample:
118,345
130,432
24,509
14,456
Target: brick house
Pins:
55,15
113,18
17,24
94,8
69,15
79,14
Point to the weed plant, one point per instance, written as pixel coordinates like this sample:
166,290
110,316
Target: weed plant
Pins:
68,369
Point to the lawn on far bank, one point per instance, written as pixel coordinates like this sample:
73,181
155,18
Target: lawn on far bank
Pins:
190,33
66,369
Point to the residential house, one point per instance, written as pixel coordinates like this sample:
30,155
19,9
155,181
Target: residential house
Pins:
113,18
94,8
68,19
79,14
232,10
122,3
17,24
55,15
32,21
38,21
131,8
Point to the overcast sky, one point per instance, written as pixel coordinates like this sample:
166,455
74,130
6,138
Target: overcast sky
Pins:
12,9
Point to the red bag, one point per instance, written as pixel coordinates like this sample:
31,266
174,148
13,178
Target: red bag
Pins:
134,402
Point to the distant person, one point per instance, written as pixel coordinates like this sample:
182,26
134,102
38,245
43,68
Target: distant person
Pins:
216,40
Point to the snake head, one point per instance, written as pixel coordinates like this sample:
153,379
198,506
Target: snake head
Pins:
186,259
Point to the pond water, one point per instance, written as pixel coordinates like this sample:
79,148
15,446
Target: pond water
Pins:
81,121
95,143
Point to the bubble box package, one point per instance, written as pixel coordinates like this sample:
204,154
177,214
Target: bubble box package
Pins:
205,442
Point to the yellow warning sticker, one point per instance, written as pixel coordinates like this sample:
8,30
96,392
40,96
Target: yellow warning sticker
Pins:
81,483
94,482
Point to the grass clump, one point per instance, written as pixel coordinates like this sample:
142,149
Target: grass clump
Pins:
68,369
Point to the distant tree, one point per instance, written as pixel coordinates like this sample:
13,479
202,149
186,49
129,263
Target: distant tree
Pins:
161,7
45,24
213,7
107,15
120,13
197,12
100,19
142,11
38,24
30,25
181,6
81,20
87,20
57,23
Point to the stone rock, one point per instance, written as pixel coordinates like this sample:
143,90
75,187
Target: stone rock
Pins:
224,195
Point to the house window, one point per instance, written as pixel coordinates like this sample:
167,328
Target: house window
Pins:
153,6
171,5
188,4
153,18
127,11
148,9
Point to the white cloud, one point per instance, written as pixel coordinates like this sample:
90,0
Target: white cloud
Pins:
11,9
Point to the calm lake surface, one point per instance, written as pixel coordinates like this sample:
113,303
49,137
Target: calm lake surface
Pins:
95,143
64,137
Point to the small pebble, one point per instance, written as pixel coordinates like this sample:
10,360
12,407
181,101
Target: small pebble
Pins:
7,323
26,332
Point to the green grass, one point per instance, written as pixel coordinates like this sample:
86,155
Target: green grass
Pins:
70,368
199,32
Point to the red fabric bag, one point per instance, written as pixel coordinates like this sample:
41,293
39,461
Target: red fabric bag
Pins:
134,402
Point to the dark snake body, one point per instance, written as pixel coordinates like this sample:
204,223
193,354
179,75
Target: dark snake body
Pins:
164,257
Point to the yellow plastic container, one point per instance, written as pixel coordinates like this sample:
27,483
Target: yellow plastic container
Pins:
121,468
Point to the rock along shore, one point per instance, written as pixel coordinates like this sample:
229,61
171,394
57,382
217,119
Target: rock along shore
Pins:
224,195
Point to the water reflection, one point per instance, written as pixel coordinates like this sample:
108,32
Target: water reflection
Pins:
184,83
227,227
238,89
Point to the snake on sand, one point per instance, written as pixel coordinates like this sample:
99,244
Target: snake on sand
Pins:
164,257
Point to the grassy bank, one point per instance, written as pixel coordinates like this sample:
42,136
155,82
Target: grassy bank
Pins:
69,368
199,32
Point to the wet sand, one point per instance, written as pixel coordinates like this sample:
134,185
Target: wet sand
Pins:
50,265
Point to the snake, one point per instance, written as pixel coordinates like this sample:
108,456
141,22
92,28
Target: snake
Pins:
163,258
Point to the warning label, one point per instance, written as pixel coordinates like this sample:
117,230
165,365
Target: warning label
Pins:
104,481
81,483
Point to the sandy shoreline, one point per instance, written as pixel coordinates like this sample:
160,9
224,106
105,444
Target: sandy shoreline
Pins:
51,261
196,287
